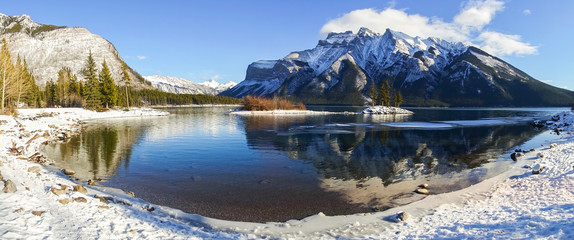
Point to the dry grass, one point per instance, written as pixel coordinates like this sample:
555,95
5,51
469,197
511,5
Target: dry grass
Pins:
254,103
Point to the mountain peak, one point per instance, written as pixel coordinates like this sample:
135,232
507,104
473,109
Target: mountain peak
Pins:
365,32
16,23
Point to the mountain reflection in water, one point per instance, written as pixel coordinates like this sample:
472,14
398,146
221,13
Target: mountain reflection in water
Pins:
276,168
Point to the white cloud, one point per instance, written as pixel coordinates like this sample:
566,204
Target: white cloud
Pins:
526,12
467,26
477,14
503,44
142,57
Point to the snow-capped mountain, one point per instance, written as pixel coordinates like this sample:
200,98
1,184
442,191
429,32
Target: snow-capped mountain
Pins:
48,48
427,71
184,86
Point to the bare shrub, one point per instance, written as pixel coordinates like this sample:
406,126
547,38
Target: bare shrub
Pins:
254,103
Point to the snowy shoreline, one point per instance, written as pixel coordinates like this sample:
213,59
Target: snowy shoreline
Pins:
514,204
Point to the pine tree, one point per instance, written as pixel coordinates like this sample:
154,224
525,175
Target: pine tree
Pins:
126,79
32,95
398,98
6,74
92,86
384,94
109,89
373,94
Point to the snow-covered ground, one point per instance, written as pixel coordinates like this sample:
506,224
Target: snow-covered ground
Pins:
385,110
515,204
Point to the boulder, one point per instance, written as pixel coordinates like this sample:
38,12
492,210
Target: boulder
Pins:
69,172
402,216
65,201
80,188
9,187
537,169
91,182
553,145
80,199
422,191
57,191
38,213
515,155
540,155
424,185
1,177
34,169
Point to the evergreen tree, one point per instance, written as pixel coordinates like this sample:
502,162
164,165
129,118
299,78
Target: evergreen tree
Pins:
398,98
32,95
373,94
126,79
51,94
91,87
108,89
384,94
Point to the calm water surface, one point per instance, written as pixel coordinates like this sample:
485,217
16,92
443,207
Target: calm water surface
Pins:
273,168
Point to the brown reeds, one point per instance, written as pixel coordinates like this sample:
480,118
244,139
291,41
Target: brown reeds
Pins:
255,103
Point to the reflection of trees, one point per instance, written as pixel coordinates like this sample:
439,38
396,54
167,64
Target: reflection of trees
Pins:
97,152
359,152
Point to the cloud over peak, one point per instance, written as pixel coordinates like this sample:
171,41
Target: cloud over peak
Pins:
467,26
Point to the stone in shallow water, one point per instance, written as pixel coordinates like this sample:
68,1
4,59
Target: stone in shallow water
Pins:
69,172
422,191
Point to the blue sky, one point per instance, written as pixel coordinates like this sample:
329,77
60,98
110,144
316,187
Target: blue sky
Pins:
201,40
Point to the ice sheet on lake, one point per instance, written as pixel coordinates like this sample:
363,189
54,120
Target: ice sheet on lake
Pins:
419,125
455,124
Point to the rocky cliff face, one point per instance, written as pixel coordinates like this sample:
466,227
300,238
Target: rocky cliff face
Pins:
48,48
341,68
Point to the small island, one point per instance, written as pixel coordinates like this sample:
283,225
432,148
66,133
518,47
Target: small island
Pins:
254,105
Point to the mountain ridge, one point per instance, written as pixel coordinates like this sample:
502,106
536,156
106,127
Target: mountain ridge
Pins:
49,48
428,71
184,86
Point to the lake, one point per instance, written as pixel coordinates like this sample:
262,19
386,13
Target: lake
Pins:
274,168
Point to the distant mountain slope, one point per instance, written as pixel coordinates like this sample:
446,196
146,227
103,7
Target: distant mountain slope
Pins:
48,48
184,86
431,71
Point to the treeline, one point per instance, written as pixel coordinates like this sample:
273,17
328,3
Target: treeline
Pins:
98,91
157,97
385,94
